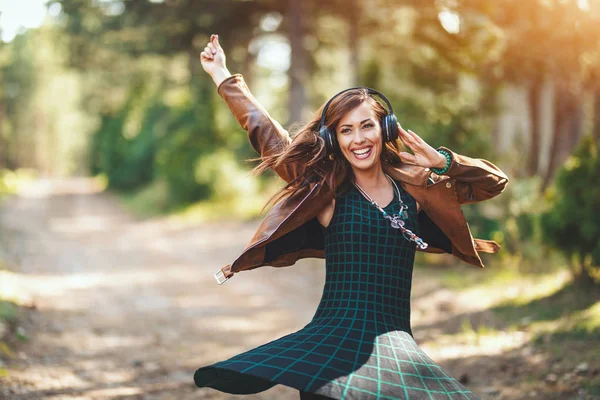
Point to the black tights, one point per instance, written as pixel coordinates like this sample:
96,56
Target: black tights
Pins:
312,396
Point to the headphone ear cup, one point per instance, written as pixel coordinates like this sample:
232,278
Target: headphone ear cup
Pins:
326,139
336,147
390,125
330,140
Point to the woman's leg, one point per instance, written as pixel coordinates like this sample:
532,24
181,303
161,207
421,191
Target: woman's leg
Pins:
312,396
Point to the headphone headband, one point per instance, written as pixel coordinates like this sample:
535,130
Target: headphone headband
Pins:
370,90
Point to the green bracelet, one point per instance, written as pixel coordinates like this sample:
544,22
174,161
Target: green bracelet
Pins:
448,163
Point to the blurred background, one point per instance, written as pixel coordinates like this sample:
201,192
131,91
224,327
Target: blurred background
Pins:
124,184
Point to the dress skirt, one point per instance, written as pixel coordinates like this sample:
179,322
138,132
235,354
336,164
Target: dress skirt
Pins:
359,343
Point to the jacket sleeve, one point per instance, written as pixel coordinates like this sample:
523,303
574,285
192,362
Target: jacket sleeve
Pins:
266,135
476,179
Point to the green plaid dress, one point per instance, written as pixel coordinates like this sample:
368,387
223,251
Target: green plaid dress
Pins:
359,344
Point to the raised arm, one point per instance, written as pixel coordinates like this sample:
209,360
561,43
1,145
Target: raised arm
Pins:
266,135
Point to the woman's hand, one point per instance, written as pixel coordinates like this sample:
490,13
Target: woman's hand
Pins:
213,60
424,155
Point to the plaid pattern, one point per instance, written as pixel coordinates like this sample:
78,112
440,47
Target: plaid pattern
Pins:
359,344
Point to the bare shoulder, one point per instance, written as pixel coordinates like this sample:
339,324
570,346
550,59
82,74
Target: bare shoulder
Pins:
326,214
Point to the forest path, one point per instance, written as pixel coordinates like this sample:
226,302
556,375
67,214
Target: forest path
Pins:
128,308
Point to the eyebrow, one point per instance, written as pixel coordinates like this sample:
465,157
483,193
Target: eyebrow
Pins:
361,122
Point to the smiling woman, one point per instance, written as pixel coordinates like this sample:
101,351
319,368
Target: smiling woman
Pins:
355,197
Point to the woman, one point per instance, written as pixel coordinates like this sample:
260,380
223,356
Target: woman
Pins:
356,199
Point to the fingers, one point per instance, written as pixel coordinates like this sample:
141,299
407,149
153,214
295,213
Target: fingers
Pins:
412,140
408,158
401,129
409,136
216,42
211,49
406,138
416,137
207,54
205,57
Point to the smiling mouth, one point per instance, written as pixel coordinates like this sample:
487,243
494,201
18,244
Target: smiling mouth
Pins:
363,153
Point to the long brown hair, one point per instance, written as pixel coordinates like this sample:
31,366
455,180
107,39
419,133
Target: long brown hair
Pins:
307,148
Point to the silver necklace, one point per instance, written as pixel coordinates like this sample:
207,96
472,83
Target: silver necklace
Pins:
396,220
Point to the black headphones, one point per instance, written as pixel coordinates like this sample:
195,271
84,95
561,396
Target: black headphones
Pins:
389,123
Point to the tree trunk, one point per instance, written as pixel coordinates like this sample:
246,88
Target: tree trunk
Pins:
3,141
247,67
353,37
567,128
194,65
535,92
597,116
584,278
298,71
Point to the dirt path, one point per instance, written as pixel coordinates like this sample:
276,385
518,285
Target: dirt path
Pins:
129,309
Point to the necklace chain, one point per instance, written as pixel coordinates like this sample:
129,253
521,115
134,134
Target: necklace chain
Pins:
403,206
396,220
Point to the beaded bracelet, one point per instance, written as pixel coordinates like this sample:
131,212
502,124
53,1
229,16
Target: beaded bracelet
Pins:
440,171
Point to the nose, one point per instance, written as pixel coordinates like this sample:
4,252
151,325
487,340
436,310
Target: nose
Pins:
359,137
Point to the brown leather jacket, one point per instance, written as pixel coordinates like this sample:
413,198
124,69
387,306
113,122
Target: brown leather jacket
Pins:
291,231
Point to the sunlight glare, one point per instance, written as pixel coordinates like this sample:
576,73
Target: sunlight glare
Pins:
274,53
583,5
17,16
450,20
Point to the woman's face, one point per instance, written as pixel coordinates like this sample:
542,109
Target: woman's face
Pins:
359,136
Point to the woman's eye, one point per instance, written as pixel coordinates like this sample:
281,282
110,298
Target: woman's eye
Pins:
346,130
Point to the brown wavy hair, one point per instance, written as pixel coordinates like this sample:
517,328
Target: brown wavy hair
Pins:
307,148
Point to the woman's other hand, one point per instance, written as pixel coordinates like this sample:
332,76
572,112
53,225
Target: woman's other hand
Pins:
213,60
424,155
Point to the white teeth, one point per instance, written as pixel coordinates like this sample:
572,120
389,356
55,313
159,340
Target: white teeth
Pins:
362,151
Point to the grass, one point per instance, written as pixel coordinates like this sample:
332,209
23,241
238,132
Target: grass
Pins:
8,310
592,387
542,303
547,311
13,301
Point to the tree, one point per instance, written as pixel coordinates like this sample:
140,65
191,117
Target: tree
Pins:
573,222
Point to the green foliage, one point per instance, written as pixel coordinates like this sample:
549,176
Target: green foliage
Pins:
371,74
125,150
17,86
149,140
179,152
513,220
573,222
190,136
8,310
128,57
